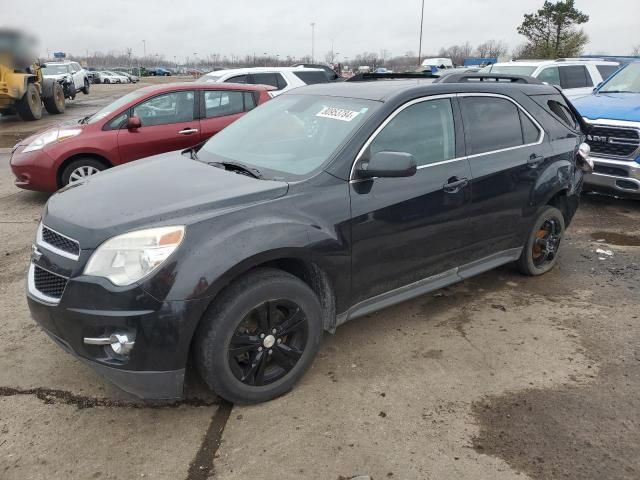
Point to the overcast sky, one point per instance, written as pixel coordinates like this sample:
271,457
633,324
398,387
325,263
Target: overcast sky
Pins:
181,27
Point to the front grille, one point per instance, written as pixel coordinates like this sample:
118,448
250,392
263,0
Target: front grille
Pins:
48,283
613,141
61,242
606,170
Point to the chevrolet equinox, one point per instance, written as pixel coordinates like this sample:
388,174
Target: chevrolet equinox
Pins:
323,205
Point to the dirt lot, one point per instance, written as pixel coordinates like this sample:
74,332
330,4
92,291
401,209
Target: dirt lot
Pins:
500,377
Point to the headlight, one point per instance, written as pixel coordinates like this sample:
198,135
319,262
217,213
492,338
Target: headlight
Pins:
51,137
127,258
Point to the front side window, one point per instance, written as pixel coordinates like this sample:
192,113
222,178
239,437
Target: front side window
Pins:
490,124
115,105
273,79
425,130
606,70
551,75
509,69
291,135
219,103
174,107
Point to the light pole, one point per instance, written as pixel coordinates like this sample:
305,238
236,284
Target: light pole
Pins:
420,43
313,41
195,59
144,48
277,60
265,58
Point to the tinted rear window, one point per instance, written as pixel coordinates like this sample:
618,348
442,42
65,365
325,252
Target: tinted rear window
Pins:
574,76
557,107
311,78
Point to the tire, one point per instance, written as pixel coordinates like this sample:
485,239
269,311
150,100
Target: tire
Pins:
540,253
106,80
270,364
86,88
55,104
29,107
80,169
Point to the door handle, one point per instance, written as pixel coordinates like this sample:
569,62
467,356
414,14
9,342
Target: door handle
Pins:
535,160
455,184
188,131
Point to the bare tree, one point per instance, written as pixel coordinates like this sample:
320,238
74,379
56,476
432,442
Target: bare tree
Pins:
492,49
457,53
636,51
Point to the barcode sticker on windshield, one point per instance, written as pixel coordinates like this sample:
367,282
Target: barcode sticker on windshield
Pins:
337,114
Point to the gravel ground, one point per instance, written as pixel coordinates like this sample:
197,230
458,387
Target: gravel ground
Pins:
499,377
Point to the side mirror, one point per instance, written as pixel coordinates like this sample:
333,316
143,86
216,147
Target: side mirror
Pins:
388,164
133,123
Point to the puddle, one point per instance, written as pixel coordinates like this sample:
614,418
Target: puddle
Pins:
614,238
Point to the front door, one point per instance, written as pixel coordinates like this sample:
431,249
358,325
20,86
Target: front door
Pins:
168,123
408,229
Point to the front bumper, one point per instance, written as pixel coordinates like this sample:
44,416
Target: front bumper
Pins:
614,176
34,170
92,307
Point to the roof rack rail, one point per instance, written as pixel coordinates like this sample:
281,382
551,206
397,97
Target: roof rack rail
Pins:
488,77
367,77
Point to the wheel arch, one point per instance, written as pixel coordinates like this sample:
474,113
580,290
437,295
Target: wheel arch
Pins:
77,156
566,203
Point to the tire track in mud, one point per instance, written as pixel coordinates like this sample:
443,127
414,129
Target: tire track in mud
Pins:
202,466
51,396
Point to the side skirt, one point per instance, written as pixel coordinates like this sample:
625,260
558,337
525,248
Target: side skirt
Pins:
428,284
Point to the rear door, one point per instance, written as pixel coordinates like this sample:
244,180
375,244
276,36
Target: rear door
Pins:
506,153
409,229
168,123
219,108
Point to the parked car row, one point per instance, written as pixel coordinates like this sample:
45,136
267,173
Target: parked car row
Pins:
239,251
109,76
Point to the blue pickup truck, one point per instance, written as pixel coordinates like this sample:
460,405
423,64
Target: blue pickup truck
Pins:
613,111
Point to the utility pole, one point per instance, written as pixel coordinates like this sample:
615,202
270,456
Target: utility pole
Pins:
313,42
144,48
420,44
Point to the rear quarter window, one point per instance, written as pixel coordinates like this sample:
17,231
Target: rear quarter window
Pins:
606,70
557,107
311,78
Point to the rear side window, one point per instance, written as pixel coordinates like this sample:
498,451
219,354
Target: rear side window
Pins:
219,103
574,76
606,70
490,124
563,113
425,130
530,133
249,101
311,78
273,79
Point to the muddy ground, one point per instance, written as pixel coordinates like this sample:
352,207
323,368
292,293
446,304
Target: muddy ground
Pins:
499,377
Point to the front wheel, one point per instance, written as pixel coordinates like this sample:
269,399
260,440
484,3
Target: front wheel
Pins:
55,104
87,86
259,337
80,170
540,253
29,107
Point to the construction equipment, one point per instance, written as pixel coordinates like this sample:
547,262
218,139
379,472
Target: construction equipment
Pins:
23,90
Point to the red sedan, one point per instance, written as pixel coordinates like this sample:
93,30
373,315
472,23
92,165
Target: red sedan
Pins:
145,122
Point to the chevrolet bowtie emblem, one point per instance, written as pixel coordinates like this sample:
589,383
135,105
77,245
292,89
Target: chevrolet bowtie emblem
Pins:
35,253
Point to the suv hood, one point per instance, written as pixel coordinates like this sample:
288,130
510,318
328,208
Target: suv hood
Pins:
162,190
611,106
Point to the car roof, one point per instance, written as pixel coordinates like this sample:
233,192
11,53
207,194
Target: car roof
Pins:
236,71
386,90
205,86
562,61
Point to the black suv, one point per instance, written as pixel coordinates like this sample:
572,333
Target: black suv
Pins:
323,205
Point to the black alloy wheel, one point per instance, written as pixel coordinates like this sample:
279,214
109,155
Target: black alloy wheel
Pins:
540,253
268,342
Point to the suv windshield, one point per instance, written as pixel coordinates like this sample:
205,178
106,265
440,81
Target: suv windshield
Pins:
209,78
509,69
625,81
54,69
292,134
113,106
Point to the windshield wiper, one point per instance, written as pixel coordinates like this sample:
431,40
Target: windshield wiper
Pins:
85,119
616,91
239,168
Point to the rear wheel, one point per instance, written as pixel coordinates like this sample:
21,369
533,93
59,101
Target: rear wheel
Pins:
259,337
55,104
540,253
106,80
80,170
29,107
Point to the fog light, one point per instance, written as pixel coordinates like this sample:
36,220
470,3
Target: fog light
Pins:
120,343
